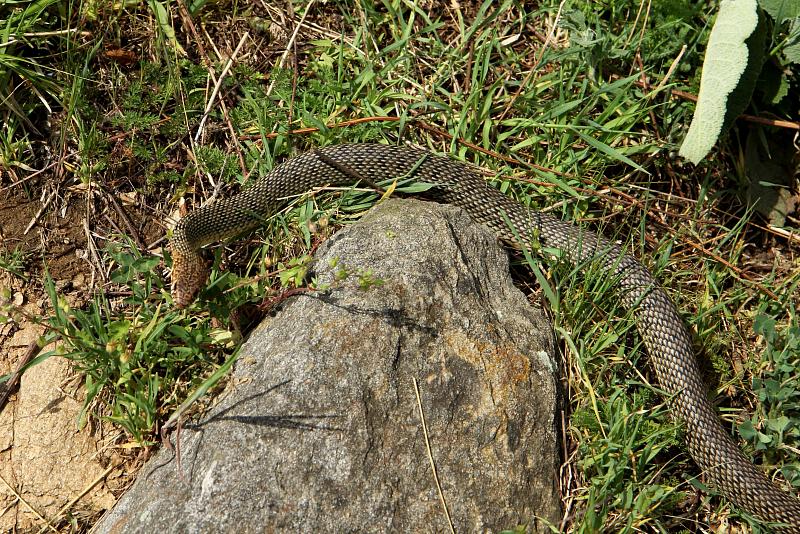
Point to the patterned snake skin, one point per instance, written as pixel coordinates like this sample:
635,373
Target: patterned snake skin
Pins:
657,319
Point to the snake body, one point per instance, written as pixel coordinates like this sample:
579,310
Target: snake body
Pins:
658,322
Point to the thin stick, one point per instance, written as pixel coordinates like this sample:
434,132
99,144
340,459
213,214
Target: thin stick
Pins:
10,505
430,456
425,126
39,213
12,40
126,220
30,353
745,117
791,236
289,45
527,79
27,505
217,86
96,262
312,129
671,69
770,122
86,490
635,24
30,176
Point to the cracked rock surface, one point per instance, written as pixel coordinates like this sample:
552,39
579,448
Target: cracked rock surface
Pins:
321,429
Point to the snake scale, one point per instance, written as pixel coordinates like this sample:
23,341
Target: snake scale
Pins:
658,322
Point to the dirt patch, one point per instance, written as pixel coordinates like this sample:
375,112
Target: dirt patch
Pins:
53,239
58,238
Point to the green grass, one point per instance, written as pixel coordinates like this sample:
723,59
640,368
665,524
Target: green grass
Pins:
15,262
578,134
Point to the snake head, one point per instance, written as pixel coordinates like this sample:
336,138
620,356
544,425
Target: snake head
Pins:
189,274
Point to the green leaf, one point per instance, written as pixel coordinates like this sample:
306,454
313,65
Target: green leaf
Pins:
781,10
792,51
779,424
725,62
747,430
145,264
773,83
764,325
164,22
415,188
605,149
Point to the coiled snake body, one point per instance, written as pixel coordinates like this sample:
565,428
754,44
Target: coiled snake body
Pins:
657,320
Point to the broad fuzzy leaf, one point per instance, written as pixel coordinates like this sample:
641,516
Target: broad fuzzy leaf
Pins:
725,62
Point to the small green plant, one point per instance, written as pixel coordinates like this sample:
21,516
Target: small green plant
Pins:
15,262
134,358
293,273
775,428
215,162
368,280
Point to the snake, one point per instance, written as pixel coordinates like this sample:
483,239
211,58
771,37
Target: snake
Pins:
658,321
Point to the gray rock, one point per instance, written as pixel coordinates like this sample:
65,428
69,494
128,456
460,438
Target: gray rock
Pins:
322,429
